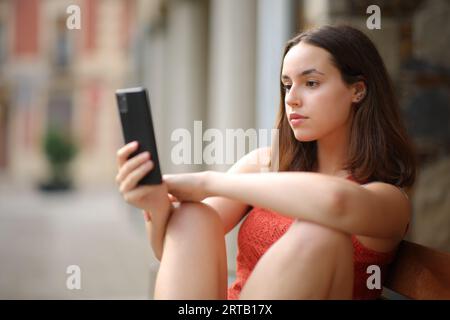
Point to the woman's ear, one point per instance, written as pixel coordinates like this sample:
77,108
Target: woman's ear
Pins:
359,91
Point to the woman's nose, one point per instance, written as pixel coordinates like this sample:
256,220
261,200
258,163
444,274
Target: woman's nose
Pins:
292,99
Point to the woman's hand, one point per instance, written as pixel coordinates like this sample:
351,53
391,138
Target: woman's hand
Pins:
151,198
188,186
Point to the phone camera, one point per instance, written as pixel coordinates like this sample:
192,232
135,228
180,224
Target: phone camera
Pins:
123,104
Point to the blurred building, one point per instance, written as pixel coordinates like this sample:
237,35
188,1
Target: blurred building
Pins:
217,61
55,77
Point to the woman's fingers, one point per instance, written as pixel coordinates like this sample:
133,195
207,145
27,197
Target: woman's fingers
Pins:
124,152
131,165
147,216
136,194
133,178
172,198
177,184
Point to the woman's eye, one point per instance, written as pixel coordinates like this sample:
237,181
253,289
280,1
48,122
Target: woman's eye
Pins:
287,87
312,84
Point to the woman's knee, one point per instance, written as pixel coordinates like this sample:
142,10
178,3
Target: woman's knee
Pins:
315,237
195,216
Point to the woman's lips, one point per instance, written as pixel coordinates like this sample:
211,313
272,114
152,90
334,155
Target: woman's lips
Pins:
297,119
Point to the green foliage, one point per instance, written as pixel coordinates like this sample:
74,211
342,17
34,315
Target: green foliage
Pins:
58,147
60,151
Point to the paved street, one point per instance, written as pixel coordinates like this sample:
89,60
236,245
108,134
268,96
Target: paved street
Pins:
42,234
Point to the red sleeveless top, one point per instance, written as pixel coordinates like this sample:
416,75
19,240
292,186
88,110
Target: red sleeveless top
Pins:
263,227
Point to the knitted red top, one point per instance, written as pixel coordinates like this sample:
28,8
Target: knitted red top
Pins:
263,227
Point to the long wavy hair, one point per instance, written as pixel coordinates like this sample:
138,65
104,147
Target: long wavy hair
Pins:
379,148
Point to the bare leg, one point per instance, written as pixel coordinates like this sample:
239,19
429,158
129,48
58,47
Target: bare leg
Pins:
308,262
194,264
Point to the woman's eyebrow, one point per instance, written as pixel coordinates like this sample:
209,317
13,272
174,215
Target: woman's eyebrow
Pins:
303,73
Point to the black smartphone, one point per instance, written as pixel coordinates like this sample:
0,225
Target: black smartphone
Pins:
137,125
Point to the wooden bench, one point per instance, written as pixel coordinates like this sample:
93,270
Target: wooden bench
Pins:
419,273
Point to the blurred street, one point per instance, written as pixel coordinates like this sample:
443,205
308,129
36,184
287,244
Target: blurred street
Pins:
210,66
42,234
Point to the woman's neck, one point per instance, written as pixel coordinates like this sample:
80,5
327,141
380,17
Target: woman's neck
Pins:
332,153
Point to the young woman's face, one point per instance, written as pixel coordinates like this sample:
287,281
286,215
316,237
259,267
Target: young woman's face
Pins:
314,89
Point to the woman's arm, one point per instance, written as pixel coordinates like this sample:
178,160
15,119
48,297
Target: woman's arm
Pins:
375,210
302,195
230,210
153,199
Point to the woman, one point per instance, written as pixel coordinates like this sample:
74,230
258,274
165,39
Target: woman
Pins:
315,229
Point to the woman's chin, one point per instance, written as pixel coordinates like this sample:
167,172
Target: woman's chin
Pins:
303,138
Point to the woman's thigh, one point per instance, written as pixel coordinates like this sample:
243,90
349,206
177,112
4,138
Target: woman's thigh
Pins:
304,263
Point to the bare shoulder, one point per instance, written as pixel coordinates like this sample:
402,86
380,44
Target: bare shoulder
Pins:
257,160
391,200
386,187
396,198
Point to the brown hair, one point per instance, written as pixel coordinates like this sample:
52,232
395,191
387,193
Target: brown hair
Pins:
379,147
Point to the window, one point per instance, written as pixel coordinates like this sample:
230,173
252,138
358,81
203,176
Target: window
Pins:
62,44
